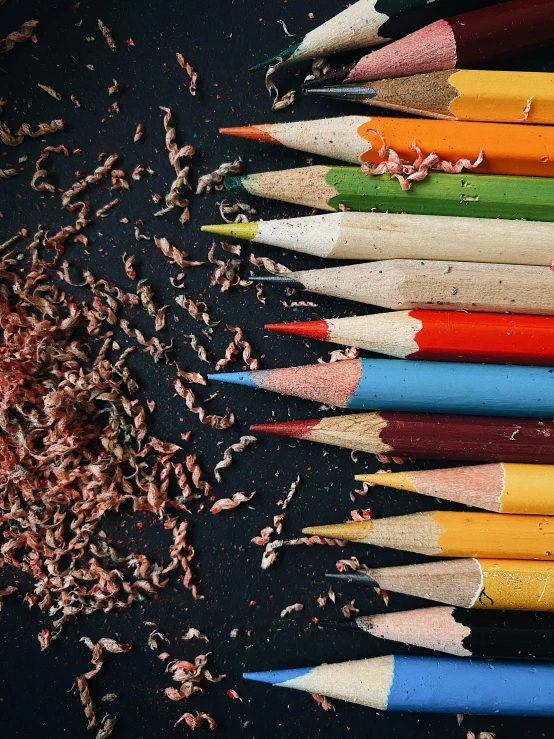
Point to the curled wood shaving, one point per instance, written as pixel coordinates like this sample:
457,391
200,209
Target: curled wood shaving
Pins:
110,645
194,634
175,256
114,87
146,295
160,317
323,701
153,639
278,523
299,304
270,554
51,91
338,355
198,310
241,211
263,537
271,87
202,355
364,514
5,174
41,170
118,180
153,346
24,129
108,726
86,700
136,174
191,376
138,133
226,273
319,67
17,37
105,31
349,609
240,446
526,110
8,590
215,179
181,553
240,343
285,29
406,172
292,490
230,354
196,473
227,504
216,422
196,721
272,267
295,608
190,71
104,211
94,178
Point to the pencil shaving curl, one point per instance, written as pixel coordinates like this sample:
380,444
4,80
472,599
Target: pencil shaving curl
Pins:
196,721
227,504
214,180
240,446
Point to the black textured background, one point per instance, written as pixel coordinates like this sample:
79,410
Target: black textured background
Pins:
220,39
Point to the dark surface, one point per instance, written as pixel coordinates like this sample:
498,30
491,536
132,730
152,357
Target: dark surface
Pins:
220,40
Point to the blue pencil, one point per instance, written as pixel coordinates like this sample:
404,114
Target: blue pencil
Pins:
428,684
428,387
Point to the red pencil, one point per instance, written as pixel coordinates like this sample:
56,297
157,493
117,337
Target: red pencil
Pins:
428,436
495,338
460,42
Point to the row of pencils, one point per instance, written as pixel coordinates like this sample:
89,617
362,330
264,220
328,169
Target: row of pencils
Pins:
464,263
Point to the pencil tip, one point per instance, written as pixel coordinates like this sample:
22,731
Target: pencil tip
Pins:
249,132
335,77
235,183
344,92
247,231
283,280
235,378
354,577
283,55
350,531
398,480
310,329
277,677
294,429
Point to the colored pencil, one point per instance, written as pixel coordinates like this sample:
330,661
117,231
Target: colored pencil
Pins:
510,150
428,387
461,95
428,436
502,488
485,584
439,335
459,41
403,284
439,194
458,631
428,684
367,236
367,23
451,534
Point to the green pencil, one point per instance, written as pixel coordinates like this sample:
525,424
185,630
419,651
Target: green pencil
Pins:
348,188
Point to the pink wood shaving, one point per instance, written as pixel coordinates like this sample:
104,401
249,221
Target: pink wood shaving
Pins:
128,263
215,179
41,171
240,446
197,309
175,256
194,634
295,608
272,267
234,695
263,538
194,722
86,700
251,362
299,304
110,645
278,523
190,71
338,355
17,37
363,515
323,701
181,553
191,377
227,504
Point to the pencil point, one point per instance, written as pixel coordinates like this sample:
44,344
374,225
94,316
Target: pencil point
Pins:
398,480
249,132
235,183
247,231
344,92
353,576
279,280
284,55
295,429
310,329
277,677
351,530
336,77
235,378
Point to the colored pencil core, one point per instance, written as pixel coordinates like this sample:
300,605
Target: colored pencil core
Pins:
284,55
295,429
247,231
249,132
309,329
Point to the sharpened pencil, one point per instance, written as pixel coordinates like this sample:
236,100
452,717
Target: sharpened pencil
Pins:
402,284
459,95
428,684
438,335
429,387
368,236
459,632
367,23
428,436
462,41
510,150
485,584
439,194
502,488
451,534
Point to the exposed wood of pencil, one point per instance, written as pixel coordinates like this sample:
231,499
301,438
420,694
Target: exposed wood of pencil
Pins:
402,284
502,488
485,584
452,534
439,335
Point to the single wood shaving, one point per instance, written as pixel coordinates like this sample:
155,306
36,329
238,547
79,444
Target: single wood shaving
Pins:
107,35
227,504
51,91
240,446
17,37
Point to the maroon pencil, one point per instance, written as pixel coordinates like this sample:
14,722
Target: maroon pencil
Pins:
462,41
429,436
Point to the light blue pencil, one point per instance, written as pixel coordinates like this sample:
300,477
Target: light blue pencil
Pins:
428,387
428,684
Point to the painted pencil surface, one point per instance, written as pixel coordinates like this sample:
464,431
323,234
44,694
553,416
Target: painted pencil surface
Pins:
366,23
503,488
439,335
402,284
368,236
362,140
428,436
429,387
459,632
428,684
439,194
463,40
451,534
484,584
460,95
